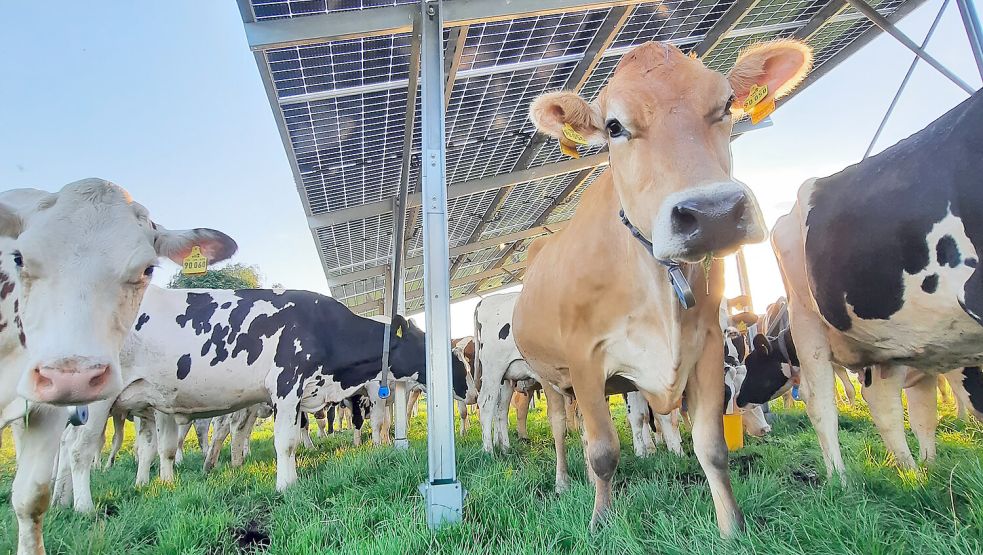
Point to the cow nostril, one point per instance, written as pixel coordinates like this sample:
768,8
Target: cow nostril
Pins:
739,209
684,219
100,379
40,380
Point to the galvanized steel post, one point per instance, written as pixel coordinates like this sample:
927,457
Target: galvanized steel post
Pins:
443,494
973,31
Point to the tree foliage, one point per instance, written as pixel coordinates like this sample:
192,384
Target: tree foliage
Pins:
232,276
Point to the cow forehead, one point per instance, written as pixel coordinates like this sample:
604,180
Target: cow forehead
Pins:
95,220
655,74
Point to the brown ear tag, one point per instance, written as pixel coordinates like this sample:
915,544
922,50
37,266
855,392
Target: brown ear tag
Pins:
571,138
195,263
755,106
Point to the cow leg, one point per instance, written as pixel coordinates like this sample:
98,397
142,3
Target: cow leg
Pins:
462,413
602,448
182,435
166,444
286,434
884,398
31,491
636,421
88,439
923,415
556,412
146,447
322,423
377,420
488,413
242,428
63,477
329,414
570,410
705,404
848,389
119,433
521,402
668,425
412,403
502,416
305,431
220,431
818,386
201,426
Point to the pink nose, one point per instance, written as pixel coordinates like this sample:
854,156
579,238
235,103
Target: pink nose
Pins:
70,381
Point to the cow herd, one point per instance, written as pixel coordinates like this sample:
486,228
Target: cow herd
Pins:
880,263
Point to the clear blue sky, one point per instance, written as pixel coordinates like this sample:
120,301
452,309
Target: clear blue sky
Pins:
165,99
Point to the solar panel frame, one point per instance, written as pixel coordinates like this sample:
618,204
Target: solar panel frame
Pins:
343,107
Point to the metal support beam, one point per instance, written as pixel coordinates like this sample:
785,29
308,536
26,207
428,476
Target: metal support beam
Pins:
971,21
850,49
490,273
466,188
443,494
367,306
826,13
907,77
278,33
734,14
889,28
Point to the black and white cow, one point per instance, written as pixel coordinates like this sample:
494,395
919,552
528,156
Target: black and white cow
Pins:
206,352
74,266
881,263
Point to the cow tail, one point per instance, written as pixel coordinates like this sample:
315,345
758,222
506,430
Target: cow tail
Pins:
476,371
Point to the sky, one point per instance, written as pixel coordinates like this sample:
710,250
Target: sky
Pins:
165,99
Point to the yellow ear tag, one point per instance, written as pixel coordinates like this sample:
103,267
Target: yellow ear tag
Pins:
742,327
761,111
757,94
568,149
195,263
571,134
399,331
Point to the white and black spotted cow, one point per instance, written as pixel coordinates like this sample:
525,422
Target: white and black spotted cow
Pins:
881,263
200,353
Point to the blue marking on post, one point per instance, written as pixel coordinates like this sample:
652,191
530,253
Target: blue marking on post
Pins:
383,391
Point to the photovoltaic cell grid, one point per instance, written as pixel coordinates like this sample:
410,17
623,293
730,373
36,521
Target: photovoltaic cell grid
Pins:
343,104
680,20
278,9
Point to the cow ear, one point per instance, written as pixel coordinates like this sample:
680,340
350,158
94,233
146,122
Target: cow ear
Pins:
551,112
780,65
399,326
177,244
10,223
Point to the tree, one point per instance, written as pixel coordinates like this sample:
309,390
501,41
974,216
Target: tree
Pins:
232,276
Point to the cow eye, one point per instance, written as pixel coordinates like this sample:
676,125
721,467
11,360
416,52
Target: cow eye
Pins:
615,129
18,259
149,272
727,107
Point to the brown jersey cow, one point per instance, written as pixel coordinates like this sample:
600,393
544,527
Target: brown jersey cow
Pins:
598,300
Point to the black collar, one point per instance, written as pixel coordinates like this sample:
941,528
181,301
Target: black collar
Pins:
676,277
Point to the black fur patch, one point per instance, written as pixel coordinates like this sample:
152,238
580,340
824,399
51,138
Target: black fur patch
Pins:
867,225
183,366
970,262
973,383
504,332
143,319
947,252
930,283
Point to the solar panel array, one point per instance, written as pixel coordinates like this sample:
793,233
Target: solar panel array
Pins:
343,105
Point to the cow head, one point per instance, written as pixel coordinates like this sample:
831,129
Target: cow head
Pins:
84,257
667,122
408,356
768,374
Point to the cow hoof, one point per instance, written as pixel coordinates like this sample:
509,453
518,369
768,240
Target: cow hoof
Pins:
562,486
84,508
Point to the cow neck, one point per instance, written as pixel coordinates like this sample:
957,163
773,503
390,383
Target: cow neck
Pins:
676,277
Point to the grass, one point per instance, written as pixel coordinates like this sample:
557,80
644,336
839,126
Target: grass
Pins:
365,500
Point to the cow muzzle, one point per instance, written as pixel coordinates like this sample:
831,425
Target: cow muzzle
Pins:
715,219
71,381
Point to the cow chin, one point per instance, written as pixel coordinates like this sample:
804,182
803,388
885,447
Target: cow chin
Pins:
713,219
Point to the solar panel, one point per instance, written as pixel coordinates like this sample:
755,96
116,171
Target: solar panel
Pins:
342,107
